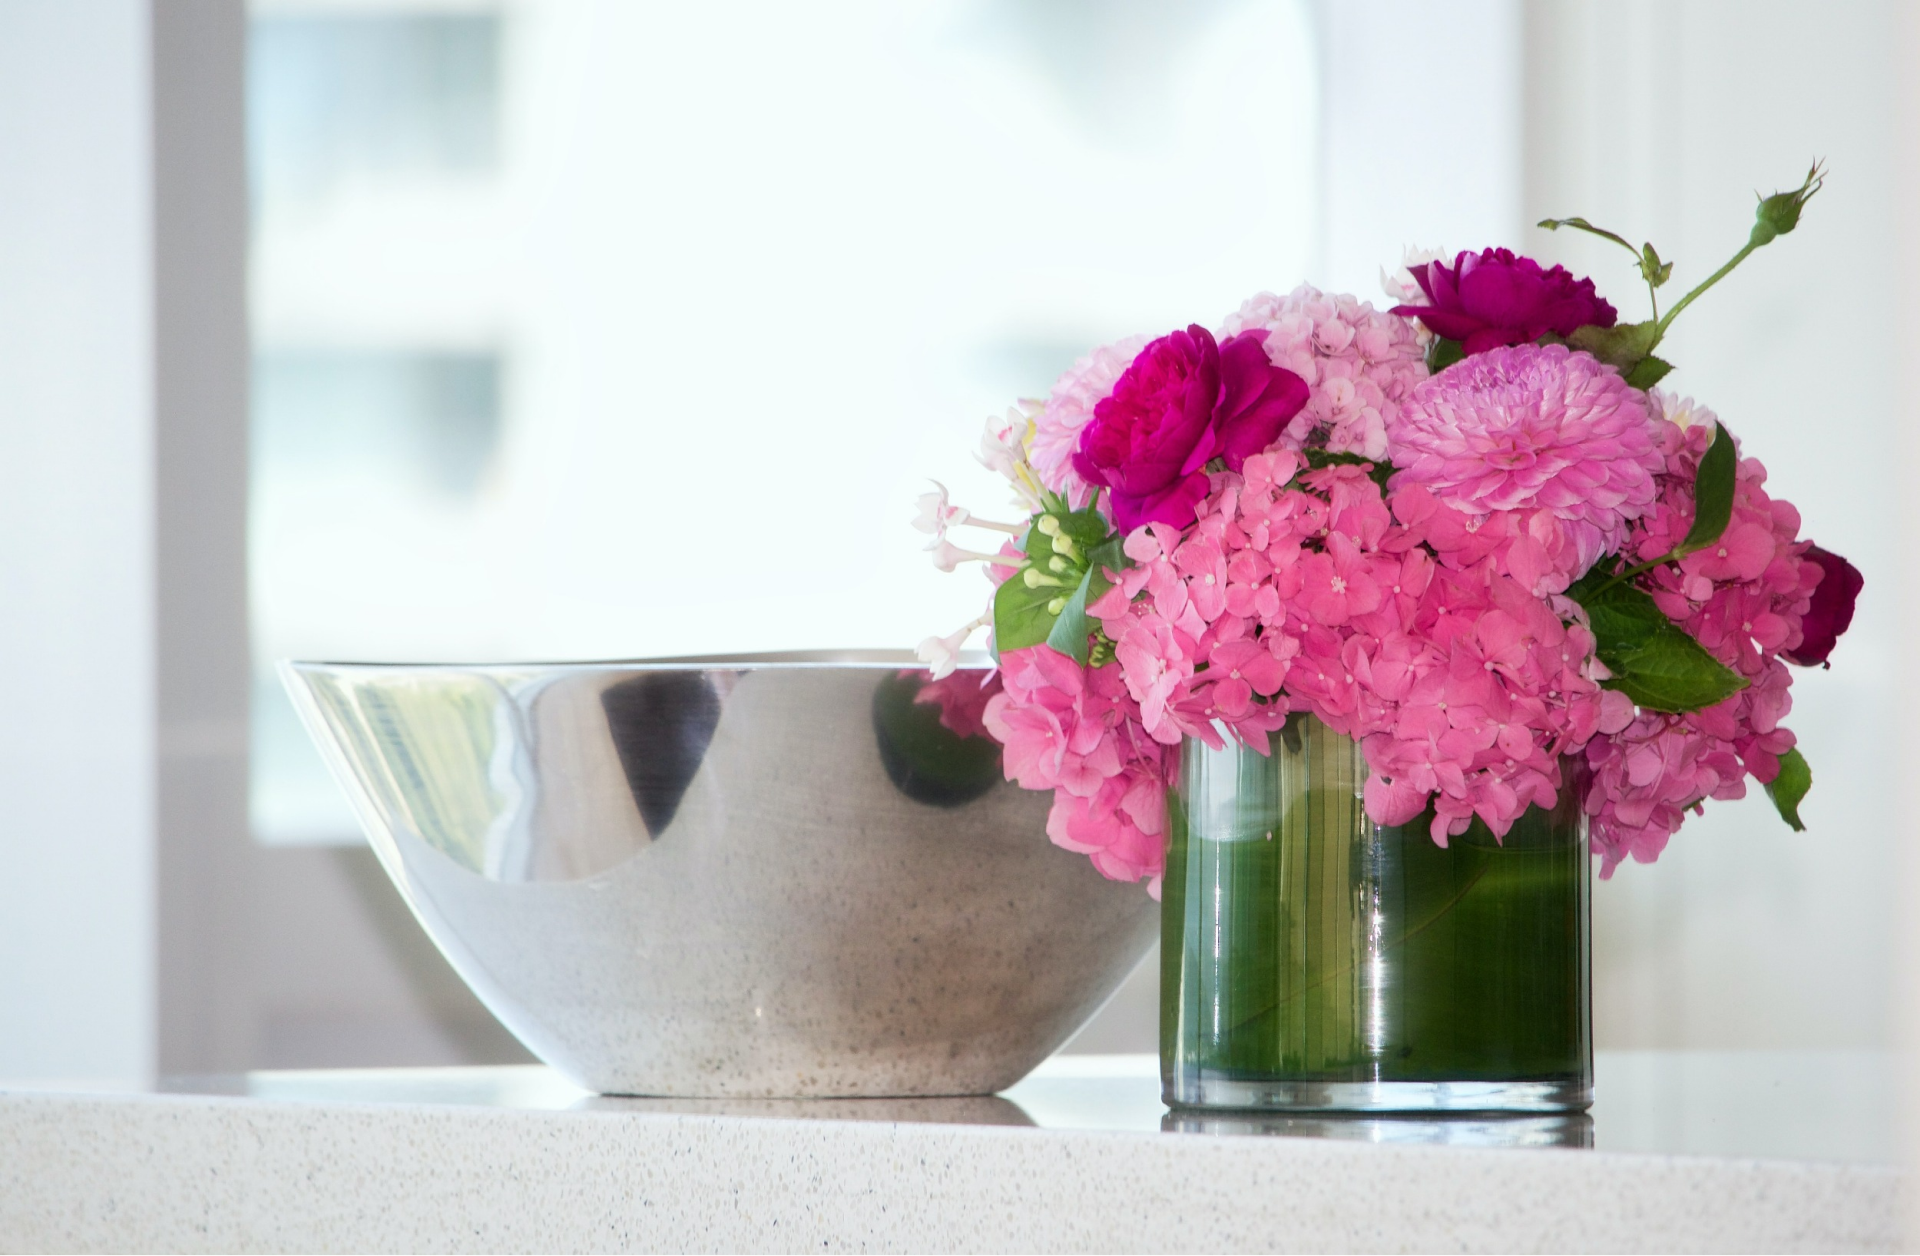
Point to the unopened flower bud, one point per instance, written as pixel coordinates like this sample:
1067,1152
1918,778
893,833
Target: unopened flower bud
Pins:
1057,605
1049,525
1780,213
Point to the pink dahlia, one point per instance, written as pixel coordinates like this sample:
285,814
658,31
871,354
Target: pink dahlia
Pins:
1360,364
1069,407
1534,427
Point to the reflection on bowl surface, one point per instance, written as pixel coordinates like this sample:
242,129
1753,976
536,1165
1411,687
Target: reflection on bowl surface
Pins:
700,878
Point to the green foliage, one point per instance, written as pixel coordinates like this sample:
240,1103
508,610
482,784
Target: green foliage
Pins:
1652,269
1443,353
1020,614
1712,494
1648,371
1623,345
1051,606
1788,788
1653,661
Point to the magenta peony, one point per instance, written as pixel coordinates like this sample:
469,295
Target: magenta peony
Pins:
1494,298
1185,401
1534,427
1831,610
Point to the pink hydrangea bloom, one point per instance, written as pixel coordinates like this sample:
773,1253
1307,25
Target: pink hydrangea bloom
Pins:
1534,427
1359,364
1297,590
1069,407
1743,599
1076,731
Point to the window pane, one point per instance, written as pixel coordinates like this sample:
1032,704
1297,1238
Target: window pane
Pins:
603,330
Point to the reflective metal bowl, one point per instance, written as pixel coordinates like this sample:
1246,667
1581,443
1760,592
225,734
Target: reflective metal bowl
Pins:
765,876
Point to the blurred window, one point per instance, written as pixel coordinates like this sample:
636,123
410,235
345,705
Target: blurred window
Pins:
618,329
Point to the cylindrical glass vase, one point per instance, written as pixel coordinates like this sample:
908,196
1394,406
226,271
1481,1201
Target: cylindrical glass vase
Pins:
1312,960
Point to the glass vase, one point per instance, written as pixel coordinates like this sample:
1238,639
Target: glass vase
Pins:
1312,960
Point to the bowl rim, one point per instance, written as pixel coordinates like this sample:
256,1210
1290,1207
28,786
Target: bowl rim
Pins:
779,660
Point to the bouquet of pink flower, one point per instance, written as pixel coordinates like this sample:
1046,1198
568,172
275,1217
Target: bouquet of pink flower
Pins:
1468,532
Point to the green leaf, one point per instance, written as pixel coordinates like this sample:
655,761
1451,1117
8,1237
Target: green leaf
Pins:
1652,269
1021,617
1622,345
1788,788
1647,372
1443,353
1087,527
1712,494
1020,614
1653,661
1581,224
1069,632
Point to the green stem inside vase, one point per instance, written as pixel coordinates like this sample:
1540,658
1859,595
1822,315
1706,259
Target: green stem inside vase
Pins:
1300,941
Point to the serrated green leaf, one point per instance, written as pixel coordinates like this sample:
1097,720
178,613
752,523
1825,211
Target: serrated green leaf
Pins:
1622,345
1790,787
1443,353
1647,372
1673,672
1653,661
1713,486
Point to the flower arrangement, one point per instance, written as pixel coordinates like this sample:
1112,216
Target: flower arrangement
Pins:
1470,531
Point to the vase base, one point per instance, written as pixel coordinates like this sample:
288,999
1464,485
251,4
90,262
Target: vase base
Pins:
1205,1091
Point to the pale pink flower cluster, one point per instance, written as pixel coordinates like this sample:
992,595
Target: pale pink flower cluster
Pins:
1742,598
1360,364
1077,732
1069,407
1534,425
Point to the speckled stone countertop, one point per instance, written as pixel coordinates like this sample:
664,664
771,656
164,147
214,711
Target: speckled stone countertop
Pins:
1742,1151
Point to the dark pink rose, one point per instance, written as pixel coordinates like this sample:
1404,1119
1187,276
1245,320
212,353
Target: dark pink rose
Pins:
1493,298
1183,402
1831,610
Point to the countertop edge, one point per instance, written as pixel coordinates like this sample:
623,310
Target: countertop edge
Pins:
183,1172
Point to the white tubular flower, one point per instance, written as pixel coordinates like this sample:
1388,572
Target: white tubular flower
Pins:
942,654
937,515
947,556
1000,450
1401,286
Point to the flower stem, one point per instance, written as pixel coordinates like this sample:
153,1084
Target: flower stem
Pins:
1660,328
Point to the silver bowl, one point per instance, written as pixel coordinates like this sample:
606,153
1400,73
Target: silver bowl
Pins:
770,876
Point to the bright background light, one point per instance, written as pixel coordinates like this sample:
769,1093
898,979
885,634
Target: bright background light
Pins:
569,346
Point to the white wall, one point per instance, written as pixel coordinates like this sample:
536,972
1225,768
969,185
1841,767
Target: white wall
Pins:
1660,120
1420,126
76,462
